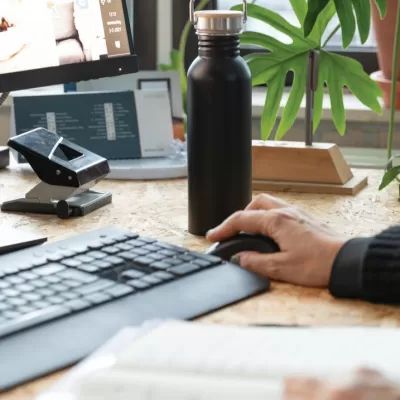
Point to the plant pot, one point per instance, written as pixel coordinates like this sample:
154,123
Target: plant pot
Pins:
386,86
384,33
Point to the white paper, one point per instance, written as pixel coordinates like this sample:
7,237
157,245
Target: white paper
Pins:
193,361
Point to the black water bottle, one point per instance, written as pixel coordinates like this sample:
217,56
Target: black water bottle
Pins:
219,113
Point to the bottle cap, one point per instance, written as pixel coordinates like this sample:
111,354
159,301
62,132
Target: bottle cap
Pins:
218,22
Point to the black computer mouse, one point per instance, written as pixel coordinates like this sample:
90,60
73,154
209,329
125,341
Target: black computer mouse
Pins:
243,242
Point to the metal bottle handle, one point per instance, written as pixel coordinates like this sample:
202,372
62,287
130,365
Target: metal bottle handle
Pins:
194,21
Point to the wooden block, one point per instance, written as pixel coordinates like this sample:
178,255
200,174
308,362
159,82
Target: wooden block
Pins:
350,188
296,162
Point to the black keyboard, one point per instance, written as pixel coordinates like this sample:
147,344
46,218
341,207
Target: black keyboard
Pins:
60,301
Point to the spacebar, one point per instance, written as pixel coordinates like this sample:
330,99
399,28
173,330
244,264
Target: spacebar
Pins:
32,319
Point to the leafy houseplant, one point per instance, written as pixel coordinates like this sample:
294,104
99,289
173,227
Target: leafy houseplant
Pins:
335,71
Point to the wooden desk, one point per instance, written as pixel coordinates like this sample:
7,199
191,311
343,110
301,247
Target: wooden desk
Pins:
159,209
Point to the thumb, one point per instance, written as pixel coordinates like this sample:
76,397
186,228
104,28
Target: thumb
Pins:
271,265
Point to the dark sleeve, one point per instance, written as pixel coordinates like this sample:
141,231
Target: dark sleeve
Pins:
369,268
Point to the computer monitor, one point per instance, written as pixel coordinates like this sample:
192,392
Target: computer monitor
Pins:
50,42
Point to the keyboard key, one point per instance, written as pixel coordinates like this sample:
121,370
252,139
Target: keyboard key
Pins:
95,245
160,265
84,258
77,276
4,285
206,257
107,241
16,301
97,286
71,262
138,284
78,304
98,255
31,319
168,253
143,260
127,255
186,257
46,292
25,309
140,252
4,306
41,304
202,263
124,246
88,268
173,261
135,243
147,239
14,279
39,283
79,249
151,279
114,260
72,284
10,292
151,247
49,269
102,264
10,270
24,287
52,279
165,276
111,250
60,287
28,275
31,296
55,257
132,274
97,298
69,295
119,290
155,256
10,314
184,269
55,300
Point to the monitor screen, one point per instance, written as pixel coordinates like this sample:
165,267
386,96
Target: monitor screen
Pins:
46,42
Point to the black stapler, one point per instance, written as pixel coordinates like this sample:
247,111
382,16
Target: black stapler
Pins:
67,173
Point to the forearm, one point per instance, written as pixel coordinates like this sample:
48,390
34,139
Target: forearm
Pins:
369,268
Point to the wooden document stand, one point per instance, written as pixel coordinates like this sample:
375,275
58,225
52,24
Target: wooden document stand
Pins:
297,167
304,167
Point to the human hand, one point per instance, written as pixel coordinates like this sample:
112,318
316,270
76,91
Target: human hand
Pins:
364,384
308,246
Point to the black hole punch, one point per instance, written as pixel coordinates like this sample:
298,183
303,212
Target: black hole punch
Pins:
67,173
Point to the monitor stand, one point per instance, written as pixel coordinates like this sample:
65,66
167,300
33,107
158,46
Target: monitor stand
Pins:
4,157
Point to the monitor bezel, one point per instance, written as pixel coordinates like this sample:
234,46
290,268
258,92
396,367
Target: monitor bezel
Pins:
76,72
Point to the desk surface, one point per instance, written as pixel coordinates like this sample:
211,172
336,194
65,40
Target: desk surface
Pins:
159,209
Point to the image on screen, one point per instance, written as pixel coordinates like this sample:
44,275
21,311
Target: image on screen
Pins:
37,34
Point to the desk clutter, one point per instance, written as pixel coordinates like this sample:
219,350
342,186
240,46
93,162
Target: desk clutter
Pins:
132,129
172,359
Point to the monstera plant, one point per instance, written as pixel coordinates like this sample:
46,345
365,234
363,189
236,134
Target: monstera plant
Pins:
310,34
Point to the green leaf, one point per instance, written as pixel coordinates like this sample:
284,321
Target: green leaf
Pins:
389,177
300,9
279,23
382,7
315,7
362,9
347,21
337,72
174,66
